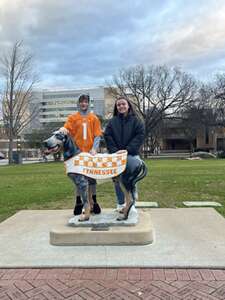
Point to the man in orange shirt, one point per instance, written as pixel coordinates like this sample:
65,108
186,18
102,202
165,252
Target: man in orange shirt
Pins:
85,129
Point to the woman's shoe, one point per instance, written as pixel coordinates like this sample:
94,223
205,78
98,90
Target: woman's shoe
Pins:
121,210
125,213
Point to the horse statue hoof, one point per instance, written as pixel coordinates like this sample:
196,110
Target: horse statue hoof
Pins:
96,209
78,209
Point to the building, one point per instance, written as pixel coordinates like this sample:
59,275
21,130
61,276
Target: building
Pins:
56,105
175,137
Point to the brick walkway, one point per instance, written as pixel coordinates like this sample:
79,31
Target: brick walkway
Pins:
132,284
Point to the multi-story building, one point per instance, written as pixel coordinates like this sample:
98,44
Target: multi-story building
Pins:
56,105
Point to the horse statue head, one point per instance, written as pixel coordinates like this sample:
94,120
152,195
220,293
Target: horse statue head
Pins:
60,141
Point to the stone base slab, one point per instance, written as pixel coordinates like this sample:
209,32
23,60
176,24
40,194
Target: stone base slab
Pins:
147,204
202,203
140,234
108,217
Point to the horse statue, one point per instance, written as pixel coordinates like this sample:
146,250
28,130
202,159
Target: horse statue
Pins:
61,141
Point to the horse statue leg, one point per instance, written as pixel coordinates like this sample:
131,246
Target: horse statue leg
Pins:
95,207
81,184
129,202
128,182
78,203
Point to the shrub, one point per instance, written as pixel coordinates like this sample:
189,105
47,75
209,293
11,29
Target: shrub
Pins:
221,154
203,154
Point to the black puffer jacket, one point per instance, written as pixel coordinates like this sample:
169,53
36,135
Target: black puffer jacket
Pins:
124,133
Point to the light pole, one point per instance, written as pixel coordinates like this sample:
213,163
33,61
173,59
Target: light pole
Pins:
19,148
18,145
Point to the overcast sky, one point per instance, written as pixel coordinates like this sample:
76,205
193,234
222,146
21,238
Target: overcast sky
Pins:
80,43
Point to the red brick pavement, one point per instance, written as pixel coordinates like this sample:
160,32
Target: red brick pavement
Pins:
124,283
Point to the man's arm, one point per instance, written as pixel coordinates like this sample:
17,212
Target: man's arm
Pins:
95,146
97,135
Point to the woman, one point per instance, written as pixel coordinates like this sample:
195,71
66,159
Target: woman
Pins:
125,132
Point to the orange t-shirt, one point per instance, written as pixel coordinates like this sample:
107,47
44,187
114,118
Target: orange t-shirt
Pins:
83,129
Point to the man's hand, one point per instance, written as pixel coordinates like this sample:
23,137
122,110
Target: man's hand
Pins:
63,130
93,152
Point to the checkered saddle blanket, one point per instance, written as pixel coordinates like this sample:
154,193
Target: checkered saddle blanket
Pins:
99,166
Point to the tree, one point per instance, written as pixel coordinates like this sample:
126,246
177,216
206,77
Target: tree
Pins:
219,98
19,79
200,115
35,138
157,93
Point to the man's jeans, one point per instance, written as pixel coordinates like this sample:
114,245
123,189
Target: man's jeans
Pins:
81,183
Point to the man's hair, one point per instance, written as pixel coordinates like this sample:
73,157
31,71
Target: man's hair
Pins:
84,97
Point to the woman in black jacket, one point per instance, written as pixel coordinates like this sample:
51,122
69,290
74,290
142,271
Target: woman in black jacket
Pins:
125,132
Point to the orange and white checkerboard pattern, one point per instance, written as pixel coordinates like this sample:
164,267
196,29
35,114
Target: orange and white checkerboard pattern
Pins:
100,162
100,166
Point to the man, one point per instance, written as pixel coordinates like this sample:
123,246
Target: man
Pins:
85,129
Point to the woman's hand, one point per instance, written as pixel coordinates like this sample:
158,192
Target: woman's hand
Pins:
121,151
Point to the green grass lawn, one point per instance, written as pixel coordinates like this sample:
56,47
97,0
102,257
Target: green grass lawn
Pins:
169,182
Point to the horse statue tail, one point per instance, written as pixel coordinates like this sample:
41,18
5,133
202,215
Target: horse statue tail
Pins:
143,171
139,173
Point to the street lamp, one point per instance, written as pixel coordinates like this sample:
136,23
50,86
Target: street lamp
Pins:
18,143
18,158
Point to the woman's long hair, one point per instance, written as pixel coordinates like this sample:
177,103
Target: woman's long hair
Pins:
130,109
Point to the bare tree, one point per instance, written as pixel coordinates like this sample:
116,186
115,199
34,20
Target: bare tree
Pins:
219,98
19,79
199,115
157,92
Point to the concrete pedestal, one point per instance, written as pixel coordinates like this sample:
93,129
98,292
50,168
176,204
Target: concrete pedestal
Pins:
103,230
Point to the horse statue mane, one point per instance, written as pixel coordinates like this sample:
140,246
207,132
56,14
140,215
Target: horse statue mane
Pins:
69,148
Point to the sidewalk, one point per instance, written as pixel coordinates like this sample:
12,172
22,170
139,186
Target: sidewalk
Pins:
119,283
182,238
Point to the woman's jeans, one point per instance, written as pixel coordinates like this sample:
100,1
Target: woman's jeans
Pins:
119,193
133,163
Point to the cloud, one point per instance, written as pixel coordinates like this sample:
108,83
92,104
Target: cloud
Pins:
195,40
77,43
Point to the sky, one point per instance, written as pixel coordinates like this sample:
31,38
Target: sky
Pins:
82,43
